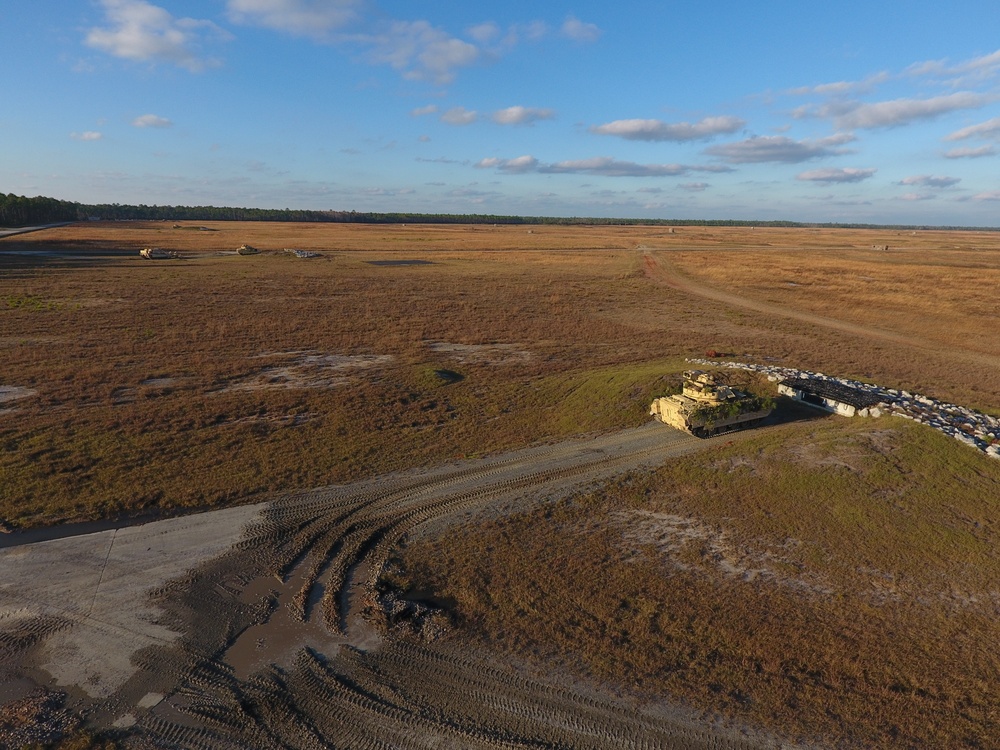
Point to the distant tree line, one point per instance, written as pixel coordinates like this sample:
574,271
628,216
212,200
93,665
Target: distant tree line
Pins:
18,211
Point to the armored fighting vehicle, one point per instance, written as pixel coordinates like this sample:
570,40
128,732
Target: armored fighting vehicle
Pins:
704,407
247,250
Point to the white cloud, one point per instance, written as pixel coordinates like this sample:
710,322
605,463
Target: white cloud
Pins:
695,187
496,41
532,31
151,121
927,180
484,32
991,195
87,135
138,30
460,116
579,31
917,197
969,153
977,68
310,18
989,129
851,115
519,164
841,88
657,130
430,109
836,175
440,160
602,166
420,51
417,49
608,167
518,115
780,148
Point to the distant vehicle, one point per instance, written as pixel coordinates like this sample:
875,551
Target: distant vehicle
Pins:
705,407
156,253
247,250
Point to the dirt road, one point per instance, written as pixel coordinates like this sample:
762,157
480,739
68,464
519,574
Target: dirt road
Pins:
263,626
658,267
25,230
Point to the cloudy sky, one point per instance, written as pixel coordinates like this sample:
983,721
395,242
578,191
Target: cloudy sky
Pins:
885,112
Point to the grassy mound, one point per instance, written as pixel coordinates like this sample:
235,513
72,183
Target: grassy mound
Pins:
831,579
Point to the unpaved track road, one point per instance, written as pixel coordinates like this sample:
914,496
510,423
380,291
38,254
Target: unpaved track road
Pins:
659,268
24,230
258,627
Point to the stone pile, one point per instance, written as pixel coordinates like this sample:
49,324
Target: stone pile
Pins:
977,430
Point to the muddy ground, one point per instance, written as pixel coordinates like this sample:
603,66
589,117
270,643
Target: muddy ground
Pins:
265,626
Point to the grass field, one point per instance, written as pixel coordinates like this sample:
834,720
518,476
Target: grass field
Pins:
826,579
830,580
216,377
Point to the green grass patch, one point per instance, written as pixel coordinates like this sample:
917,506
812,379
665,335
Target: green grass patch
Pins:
28,302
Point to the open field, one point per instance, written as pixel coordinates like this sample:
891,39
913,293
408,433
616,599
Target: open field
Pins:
217,377
214,379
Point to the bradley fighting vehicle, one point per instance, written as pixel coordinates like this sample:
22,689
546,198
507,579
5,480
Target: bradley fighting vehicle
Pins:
705,407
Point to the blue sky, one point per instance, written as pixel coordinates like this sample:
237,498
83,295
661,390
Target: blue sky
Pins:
852,111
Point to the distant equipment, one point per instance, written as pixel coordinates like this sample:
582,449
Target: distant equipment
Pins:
156,253
247,250
704,407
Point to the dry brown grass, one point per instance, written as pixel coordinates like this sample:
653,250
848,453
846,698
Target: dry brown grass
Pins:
830,581
937,288
215,377
154,382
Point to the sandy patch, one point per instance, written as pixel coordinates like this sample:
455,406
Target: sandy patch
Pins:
14,392
690,544
160,382
492,354
128,394
10,394
812,456
276,420
309,370
89,595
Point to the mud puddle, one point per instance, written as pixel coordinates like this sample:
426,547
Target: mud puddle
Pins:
279,639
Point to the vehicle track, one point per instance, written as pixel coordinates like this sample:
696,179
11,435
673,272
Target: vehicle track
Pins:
287,644
658,267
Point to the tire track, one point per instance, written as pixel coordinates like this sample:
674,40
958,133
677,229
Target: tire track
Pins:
305,582
661,270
